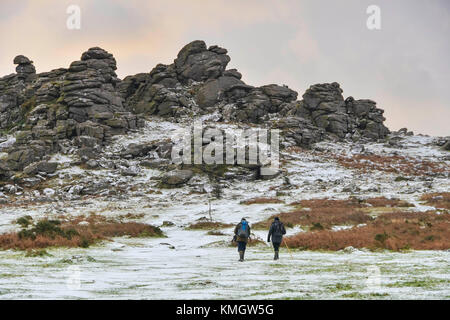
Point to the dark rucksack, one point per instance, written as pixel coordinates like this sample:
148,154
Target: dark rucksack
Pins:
278,229
243,230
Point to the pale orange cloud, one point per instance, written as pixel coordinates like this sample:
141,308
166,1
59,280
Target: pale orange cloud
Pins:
39,30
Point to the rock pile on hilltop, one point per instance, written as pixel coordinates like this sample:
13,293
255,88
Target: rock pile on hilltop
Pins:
79,105
199,83
25,68
80,108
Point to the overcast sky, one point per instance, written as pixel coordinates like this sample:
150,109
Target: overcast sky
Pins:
404,66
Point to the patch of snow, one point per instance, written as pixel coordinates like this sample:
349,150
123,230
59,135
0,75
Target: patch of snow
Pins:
8,143
196,265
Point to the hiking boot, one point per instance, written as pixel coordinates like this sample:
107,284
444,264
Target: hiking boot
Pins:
241,256
276,256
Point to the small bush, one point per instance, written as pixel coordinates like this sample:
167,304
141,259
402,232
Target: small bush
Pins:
381,237
24,221
84,243
316,226
68,232
26,234
206,225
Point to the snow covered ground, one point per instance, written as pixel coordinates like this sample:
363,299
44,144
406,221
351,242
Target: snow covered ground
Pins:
186,266
190,264
147,269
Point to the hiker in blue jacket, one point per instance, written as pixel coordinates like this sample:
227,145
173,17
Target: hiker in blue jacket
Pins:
276,231
242,235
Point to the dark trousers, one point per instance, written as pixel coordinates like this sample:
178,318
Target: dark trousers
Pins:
242,245
276,246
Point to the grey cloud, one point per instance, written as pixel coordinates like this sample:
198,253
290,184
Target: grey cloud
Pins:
403,66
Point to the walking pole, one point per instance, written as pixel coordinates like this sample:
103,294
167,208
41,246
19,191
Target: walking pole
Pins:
288,249
209,209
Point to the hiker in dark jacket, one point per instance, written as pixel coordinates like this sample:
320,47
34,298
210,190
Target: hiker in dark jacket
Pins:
242,235
276,231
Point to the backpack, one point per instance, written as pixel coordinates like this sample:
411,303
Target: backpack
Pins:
278,229
243,230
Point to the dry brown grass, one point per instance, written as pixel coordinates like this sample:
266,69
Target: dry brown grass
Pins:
437,200
208,225
325,213
320,213
261,201
393,164
393,231
69,233
352,203
329,203
325,217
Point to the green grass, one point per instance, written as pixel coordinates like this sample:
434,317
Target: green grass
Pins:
340,287
37,253
278,265
196,284
358,295
10,275
418,283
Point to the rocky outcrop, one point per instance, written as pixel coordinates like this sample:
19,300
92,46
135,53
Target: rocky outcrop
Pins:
325,106
25,68
177,177
170,90
41,166
55,108
299,130
157,93
23,155
84,105
196,63
198,83
5,171
15,93
11,97
257,104
366,119
216,90
446,145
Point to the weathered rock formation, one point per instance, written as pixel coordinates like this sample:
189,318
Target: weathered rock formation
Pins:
84,105
198,83
50,110
325,106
